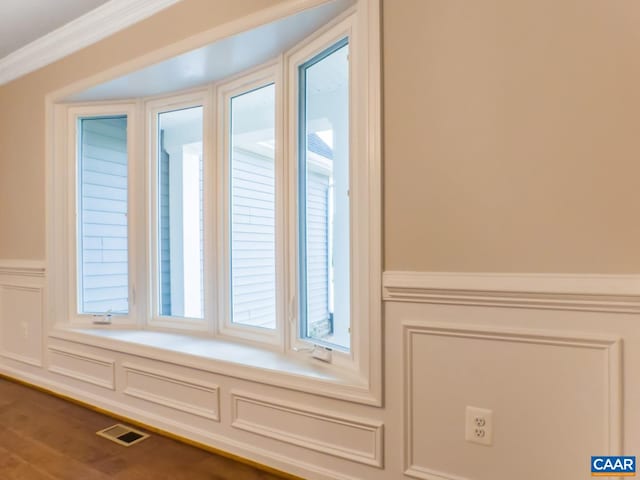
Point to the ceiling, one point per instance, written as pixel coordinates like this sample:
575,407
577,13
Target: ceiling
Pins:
218,60
23,21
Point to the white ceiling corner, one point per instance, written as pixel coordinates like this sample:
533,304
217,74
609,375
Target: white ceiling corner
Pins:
97,24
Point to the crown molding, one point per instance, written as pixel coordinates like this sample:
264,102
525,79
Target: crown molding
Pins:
588,292
90,28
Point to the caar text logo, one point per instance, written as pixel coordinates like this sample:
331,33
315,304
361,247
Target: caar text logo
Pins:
613,466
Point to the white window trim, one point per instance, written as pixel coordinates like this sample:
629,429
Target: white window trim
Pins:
152,109
74,115
224,92
350,359
364,385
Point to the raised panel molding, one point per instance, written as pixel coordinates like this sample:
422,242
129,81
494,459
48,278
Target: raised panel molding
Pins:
81,366
612,347
95,25
592,293
21,318
173,391
291,423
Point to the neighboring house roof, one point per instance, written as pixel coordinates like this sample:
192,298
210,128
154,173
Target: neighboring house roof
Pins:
316,145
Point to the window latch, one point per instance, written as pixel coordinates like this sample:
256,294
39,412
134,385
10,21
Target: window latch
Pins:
324,354
104,319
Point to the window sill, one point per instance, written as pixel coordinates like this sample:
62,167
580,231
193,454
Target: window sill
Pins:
228,358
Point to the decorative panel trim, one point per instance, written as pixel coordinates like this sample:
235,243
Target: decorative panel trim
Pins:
35,362
593,293
171,378
90,28
338,384
22,268
83,357
372,427
613,347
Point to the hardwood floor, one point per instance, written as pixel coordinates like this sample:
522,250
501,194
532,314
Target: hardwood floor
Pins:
43,437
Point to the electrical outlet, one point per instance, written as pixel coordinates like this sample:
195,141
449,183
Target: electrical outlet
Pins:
479,426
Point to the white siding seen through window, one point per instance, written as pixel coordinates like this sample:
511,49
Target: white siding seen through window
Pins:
102,218
253,269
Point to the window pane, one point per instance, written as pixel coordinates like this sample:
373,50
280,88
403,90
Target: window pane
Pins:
253,271
324,197
180,213
102,217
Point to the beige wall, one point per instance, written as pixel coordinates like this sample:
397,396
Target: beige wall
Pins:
512,135
510,143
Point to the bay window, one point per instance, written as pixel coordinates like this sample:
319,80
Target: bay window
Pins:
245,209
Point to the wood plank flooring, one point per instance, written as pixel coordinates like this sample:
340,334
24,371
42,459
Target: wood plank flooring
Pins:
43,437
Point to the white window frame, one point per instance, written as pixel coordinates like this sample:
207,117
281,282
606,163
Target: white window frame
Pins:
153,108
363,364
261,76
74,115
359,196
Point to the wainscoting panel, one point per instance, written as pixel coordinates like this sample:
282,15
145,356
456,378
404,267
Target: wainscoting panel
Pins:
83,367
21,323
544,352
172,391
351,438
556,399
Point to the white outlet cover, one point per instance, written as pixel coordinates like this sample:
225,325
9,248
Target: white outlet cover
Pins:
483,434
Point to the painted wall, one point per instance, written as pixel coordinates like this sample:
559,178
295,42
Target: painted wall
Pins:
511,135
510,131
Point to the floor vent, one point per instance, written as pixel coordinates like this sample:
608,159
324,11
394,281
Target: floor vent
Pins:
123,435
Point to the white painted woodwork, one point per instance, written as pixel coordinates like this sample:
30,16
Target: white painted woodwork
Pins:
21,316
559,382
81,366
172,391
556,397
594,293
328,432
358,371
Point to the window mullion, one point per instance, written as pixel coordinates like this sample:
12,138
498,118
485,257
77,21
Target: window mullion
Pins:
212,260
